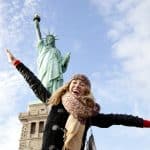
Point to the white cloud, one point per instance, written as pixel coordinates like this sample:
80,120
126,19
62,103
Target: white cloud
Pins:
14,23
10,126
129,23
13,20
8,87
105,7
10,132
15,96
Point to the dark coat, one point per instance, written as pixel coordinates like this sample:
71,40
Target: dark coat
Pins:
54,128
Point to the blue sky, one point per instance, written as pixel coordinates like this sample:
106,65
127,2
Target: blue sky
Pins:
108,40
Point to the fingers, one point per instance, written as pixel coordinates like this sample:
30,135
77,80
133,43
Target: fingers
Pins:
10,57
7,51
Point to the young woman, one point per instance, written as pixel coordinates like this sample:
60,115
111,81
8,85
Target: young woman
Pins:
73,111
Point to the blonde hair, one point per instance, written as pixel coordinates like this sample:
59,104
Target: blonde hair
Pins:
55,99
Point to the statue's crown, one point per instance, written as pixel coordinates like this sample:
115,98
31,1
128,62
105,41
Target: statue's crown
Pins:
52,35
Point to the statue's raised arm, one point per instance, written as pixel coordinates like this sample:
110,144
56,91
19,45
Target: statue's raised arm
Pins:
36,20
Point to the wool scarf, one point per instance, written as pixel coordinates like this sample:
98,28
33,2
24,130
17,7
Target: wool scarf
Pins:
79,108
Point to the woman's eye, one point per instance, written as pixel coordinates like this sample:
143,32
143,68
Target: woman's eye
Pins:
82,84
74,82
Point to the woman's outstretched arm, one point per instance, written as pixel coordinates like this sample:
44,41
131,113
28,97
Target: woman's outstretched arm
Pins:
34,83
107,120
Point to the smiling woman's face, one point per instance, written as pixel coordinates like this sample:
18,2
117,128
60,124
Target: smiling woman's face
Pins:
78,87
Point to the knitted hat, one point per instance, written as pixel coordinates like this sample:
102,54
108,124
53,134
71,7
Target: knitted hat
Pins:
83,78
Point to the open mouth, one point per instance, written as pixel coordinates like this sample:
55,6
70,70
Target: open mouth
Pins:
75,92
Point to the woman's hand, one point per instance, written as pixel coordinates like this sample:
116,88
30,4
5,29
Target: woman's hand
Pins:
10,56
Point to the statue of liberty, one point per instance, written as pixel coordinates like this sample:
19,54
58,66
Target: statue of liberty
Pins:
51,64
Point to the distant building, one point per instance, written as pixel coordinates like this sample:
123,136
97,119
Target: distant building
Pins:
33,122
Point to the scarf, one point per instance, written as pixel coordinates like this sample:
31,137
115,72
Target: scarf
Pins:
79,108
